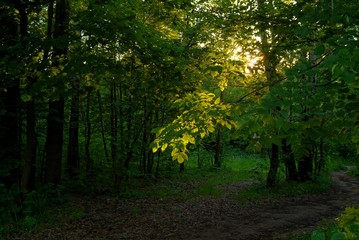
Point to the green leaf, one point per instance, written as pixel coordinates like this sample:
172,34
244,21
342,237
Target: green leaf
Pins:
338,236
319,50
317,235
218,100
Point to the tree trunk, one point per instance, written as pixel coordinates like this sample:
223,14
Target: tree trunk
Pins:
181,167
54,138
270,62
10,128
87,156
289,160
73,155
113,133
29,171
305,168
54,142
218,147
102,126
274,163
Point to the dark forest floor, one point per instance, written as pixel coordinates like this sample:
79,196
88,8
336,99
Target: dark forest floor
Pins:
204,217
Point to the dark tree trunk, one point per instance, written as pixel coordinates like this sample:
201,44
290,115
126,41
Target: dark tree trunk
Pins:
273,169
130,140
54,142
54,138
321,160
10,130
218,149
113,123
270,62
150,159
113,133
87,156
27,181
289,160
305,166
73,155
181,167
100,108
10,134
29,171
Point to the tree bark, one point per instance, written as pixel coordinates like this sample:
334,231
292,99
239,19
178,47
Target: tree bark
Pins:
10,127
270,64
289,160
87,156
273,169
218,147
55,126
73,155
100,108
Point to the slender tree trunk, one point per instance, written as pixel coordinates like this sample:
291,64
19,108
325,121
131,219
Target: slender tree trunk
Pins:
55,125
73,155
129,147
87,156
29,171
181,169
102,126
289,161
113,124
218,146
273,169
218,149
321,157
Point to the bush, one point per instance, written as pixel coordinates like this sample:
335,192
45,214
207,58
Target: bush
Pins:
347,227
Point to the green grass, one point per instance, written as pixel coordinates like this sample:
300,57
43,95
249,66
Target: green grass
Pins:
51,216
195,181
259,192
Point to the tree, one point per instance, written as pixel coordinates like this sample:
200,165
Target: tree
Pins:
54,139
10,130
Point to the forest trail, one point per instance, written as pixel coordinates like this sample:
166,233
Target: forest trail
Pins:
204,218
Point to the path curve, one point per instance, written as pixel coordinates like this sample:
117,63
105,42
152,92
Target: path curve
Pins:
210,218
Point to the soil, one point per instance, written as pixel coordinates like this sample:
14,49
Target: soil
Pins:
205,217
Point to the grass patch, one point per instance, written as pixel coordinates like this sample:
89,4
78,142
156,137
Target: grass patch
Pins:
259,192
194,181
51,216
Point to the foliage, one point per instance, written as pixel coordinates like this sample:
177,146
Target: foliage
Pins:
201,114
348,222
347,227
157,79
26,214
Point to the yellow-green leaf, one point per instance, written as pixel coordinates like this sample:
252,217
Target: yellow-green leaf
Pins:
218,100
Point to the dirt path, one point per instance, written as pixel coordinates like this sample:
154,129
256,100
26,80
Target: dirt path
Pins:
204,218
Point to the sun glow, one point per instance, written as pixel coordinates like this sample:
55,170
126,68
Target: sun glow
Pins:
251,63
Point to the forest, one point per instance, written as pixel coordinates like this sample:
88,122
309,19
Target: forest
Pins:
156,100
